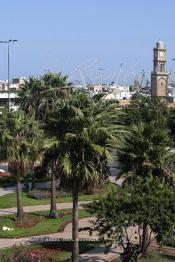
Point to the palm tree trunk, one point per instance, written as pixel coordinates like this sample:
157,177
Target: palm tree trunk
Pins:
53,205
146,240
33,176
75,250
20,211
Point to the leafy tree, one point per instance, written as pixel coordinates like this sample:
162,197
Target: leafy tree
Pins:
171,121
123,216
147,146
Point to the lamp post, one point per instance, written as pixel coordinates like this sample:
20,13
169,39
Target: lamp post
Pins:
8,65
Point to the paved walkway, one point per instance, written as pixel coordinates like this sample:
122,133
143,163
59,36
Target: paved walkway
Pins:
66,234
96,254
30,209
99,255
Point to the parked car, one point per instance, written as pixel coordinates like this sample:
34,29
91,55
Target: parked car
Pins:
4,173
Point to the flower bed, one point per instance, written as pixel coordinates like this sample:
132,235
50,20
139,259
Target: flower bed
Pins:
29,220
56,251
37,254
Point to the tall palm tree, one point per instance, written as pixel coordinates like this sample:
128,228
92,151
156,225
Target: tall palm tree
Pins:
18,134
147,148
84,135
29,95
37,149
49,161
80,167
40,96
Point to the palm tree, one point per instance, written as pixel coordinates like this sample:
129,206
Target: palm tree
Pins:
147,148
49,161
29,96
39,95
18,134
36,149
83,132
146,109
80,167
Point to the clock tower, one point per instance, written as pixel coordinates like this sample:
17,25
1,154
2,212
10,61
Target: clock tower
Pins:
159,76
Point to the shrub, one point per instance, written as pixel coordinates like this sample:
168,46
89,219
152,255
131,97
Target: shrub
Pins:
45,194
39,194
169,240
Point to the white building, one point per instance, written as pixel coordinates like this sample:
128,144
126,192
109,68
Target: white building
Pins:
118,93
14,88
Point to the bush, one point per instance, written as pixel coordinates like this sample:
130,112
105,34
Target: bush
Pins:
39,194
170,240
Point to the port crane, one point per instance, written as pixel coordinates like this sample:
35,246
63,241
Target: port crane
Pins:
116,79
142,79
84,77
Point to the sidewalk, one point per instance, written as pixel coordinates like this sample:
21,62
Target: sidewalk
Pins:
66,234
29,209
96,254
99,255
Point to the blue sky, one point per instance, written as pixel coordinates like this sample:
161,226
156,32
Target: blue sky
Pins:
65,35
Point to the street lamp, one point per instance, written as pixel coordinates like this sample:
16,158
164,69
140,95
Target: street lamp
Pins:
8,62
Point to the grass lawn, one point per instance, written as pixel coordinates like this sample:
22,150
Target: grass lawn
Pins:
9,200
57,251
39,223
